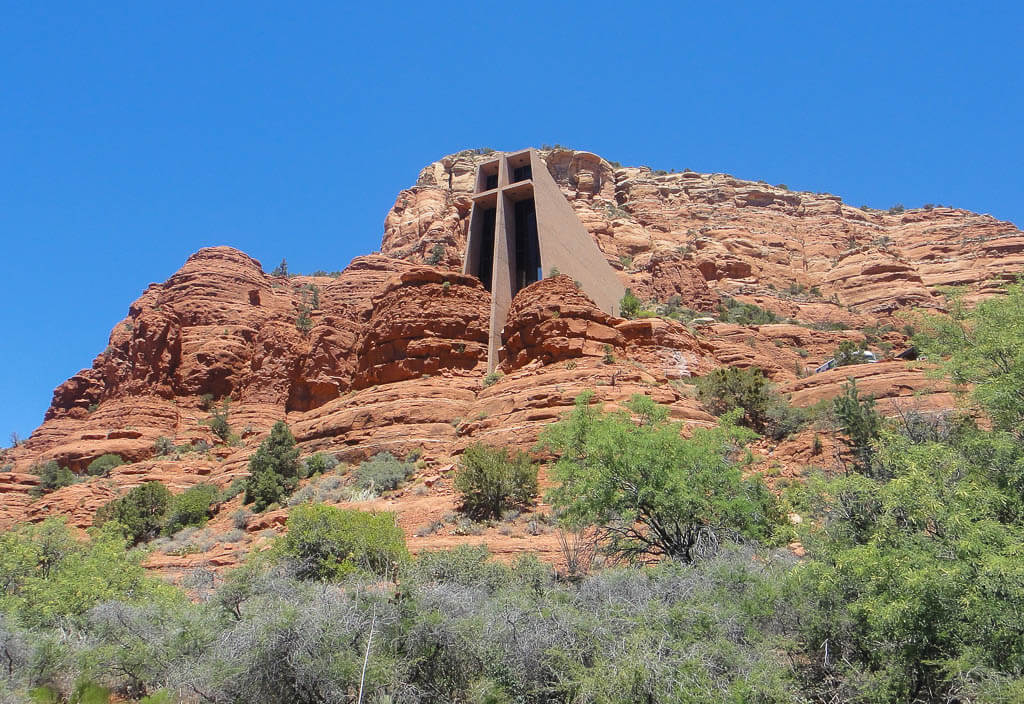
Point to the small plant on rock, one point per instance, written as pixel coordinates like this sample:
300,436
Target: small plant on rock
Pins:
101,466
383,472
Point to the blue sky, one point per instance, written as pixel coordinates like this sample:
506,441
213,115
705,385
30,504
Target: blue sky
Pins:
132,134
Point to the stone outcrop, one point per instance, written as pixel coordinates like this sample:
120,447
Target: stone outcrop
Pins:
390,354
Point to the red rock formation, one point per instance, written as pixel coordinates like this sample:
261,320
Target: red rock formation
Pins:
393,356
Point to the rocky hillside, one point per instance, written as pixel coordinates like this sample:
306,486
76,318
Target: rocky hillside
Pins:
390,354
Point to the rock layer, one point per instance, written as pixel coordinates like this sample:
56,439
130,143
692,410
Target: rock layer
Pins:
390,354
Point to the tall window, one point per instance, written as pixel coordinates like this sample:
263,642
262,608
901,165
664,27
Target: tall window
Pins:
527,245
521,173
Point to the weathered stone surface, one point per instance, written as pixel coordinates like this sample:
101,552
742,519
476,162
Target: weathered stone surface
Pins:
393,357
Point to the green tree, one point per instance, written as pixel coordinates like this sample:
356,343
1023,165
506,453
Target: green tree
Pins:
48,574
101,466
52,476
649,491
139,514
190,508
764,410
273,469
218,422
915,584
861,425
491,480
630,306
329,542
849,352
983,347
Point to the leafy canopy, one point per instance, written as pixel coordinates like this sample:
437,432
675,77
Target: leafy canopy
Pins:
764,410
329,542
139,514
48,574
983,347
650,491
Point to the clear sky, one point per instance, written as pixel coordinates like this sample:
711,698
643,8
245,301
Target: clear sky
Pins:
134,133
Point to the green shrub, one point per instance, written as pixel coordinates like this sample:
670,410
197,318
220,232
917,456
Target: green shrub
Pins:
436,255
52,477
49,574
490,480
861,426
609,354
764,410
329,542
139,513
982,350
648,491
273,469
319,463
90,693
218,422
383,472
190,508
101,466
849,353
163,446
492,378
236,487
630,306
732,311
304,322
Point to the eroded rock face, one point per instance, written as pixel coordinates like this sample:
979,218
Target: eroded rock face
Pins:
390,355
703,236
424,322
552,320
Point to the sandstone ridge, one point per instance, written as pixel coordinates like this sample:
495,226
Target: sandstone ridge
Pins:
390,354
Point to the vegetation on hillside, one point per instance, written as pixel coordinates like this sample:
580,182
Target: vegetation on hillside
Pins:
911,588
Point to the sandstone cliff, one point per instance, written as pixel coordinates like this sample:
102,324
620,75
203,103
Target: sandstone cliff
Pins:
391,354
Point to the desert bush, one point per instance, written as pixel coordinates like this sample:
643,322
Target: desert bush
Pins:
163,446
327,542
318,463
240,518
849,352
383,472
273,468
218,422
139,514
732,311
101,466
436,254
491,480
861,426
52,476
630,306
232,536
763,409
190,508
50,575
